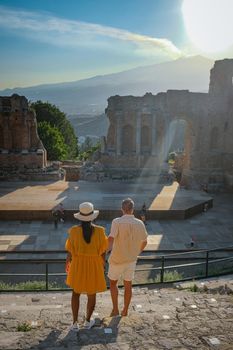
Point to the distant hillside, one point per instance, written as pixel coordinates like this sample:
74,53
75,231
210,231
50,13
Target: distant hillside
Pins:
89,96
90,126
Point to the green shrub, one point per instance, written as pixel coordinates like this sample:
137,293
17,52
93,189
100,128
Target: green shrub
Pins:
24,327
169,276
29,285
193,288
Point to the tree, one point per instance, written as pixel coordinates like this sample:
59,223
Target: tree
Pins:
46,112
53,141
87,149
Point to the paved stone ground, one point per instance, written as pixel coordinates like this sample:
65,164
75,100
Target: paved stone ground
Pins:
211,229
158,319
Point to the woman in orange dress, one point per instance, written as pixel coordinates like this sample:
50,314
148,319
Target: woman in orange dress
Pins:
86,246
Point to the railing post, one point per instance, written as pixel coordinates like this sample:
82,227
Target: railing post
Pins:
207,264
162,270
46,277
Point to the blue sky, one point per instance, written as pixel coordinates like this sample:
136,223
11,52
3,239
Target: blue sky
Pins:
49,41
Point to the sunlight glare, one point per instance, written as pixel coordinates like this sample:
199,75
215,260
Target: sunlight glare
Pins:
209,23
166,197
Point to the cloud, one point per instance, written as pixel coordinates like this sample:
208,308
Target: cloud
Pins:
62,32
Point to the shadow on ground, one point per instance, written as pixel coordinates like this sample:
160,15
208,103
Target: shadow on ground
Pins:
105,332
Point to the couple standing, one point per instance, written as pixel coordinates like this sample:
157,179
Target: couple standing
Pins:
87,245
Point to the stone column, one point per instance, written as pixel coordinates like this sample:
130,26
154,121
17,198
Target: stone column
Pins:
153,136
103,144
118,135
7,134
138,133
25,135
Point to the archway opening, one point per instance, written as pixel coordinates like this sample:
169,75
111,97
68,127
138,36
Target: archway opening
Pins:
145,139
176,148
128,139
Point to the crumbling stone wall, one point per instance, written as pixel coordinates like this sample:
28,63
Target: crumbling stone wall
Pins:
20,145
138,132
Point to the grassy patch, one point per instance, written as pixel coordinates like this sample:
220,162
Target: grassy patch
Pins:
24,327
169,276
217,270
29,285
193,288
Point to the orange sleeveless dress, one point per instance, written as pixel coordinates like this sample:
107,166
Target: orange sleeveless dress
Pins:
86,271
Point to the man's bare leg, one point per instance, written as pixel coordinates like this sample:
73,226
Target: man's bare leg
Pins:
127,297
114,295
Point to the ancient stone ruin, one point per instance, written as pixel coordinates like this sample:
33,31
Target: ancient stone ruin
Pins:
142,129
20,146
143,132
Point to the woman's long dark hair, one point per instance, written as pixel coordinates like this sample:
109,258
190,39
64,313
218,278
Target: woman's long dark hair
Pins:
87,229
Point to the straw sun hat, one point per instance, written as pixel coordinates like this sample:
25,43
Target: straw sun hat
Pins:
86,212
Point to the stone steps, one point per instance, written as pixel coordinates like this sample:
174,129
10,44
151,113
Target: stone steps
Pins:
158,319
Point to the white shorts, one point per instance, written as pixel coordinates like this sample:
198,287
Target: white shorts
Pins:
126,271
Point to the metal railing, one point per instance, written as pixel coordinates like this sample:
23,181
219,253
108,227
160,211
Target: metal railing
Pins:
205,260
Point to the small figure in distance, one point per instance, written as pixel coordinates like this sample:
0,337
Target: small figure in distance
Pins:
58,214
55,215
143,213
206,207
61,212
192,242
205,187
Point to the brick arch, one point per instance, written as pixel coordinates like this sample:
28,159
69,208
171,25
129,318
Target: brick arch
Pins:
128,139
145,139
176,135
189,137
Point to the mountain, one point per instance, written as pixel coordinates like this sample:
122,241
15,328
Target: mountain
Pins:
94,127
89,96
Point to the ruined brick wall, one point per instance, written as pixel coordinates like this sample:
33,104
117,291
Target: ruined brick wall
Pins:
138,135
221,116
20,145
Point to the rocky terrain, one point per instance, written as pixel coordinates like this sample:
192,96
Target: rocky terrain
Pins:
158,319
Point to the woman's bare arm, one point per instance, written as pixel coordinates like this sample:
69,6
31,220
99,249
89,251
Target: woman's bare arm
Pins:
68,257
143,245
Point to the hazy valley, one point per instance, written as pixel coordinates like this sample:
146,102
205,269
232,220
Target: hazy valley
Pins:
84,101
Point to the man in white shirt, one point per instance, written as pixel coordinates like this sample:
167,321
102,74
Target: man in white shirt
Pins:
127,239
